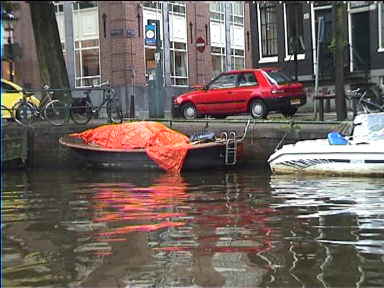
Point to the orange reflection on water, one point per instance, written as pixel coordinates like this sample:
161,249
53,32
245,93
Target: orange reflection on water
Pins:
140,206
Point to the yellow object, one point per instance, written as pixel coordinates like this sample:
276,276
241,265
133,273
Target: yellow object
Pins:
11,93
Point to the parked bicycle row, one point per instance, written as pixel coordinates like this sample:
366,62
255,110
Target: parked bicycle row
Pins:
53,107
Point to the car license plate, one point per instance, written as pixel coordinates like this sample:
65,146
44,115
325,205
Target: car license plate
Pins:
295,101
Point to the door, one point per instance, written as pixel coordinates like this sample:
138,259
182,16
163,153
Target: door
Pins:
360,41
326,61
247,86
219,98
10,94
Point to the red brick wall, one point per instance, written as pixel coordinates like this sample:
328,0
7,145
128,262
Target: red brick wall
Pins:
199,63
119,53
247,36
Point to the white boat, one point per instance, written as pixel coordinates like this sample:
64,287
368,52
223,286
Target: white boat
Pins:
361,154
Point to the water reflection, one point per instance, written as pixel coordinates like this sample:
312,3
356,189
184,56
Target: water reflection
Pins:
90,228
341,222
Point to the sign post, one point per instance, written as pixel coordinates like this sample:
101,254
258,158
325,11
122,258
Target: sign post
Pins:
156,89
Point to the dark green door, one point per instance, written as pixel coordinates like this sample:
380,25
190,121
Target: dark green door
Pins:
360,41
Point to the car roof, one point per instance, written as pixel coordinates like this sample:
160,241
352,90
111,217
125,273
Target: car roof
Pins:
253,70
14,85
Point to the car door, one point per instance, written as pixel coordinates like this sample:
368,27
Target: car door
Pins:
9,95
219,98
247,84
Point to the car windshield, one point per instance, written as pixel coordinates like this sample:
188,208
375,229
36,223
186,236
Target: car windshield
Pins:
277,77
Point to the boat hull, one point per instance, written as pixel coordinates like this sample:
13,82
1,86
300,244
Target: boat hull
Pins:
200,156
360,160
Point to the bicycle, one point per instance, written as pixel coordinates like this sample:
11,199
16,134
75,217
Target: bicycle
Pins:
84,110
52,110
365,102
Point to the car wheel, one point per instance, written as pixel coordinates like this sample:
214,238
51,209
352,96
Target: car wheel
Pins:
258,109
289,112
189,111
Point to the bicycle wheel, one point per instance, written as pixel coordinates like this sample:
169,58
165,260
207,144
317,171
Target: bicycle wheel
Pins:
114,112
368,105
6,116
55,112
81,112
24,113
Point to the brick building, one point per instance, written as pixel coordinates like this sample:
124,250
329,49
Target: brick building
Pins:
108,42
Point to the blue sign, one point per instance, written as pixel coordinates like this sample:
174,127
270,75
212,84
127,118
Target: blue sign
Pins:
150,35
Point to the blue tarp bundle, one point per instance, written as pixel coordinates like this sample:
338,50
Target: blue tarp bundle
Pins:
335,138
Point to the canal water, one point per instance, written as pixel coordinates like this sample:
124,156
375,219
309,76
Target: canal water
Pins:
242,228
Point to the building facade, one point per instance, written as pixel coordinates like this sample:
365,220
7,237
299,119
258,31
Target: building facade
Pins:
108,41
286,34
111,40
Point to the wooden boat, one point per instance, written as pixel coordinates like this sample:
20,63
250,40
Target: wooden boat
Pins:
218,153
199,156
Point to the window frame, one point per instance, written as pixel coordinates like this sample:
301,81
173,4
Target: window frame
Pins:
172,51
222,59
234,56
288,57
81,77
220,11
380,20
262,58
239,16
246,84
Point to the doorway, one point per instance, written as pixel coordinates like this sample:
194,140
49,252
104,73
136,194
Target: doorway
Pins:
360,41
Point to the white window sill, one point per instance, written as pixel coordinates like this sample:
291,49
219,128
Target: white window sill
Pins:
292,57
268,59
380,50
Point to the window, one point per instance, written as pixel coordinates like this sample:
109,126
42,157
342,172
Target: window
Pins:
268,30
237,15
247,79
237,62
152,4
7,88
294,28
177,7
224,81
86,42
218,60
277,77
87,63
84,4
381,27
216,10
179,75
59,7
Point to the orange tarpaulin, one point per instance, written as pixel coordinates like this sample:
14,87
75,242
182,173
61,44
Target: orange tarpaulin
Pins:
163,145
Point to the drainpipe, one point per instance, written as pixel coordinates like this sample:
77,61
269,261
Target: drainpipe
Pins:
227,26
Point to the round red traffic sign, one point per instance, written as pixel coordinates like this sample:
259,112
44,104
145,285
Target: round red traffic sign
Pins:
200,44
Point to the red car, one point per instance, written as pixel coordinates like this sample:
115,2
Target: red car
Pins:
253,91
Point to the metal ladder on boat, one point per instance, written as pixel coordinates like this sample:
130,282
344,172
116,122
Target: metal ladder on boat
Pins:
230,147
231,142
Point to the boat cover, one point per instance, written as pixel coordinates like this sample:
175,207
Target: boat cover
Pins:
163,145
